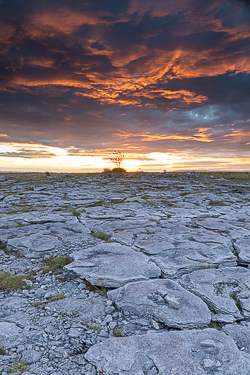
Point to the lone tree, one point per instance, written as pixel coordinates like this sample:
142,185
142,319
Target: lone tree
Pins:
117,158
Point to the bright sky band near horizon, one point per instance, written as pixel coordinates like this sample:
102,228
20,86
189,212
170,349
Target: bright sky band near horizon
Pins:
165,82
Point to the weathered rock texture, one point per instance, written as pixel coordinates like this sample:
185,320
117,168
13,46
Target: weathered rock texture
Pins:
159,259
226,291
164,301
112,265
199,352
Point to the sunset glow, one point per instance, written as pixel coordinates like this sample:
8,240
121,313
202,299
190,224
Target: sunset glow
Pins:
167,83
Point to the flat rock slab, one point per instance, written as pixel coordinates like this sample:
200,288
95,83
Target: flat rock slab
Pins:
226,291
215,224
205,236
196,352
153,245
88,309
193,256
10,334
240,334
164,301
112,265
38,218
242,248
15,310
109,226
34,245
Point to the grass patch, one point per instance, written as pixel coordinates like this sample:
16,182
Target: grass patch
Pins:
2,351
100,203
241,220
94,327
21,204
75,212
235,176
156,221
170,204
20,225
101,236
8,281
19,366
216,203
215,326
237,302
57,297
117,332
102,290
3,246
23,210
36,303
56,264
60,209
213,310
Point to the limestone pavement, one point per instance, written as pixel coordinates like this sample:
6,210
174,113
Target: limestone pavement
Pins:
157,280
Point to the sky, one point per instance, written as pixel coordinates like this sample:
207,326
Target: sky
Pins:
166,82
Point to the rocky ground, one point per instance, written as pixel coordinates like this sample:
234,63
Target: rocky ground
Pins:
137,274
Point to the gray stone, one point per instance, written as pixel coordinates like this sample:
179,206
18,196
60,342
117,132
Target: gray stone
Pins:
242,248
30,356
52,293
10,334
193,256
124,237
33,246
8,330
40,292
74,332
163,300
88,309
112,265
226,291
240,334
215,224
190,352
9,306
153,245
42,218
188,213
209,237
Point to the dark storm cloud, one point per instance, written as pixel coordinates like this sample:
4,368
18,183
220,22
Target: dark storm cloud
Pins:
95,75
225,88
28,154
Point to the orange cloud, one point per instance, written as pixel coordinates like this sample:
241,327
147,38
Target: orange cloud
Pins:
201,136
238,135
135,72
48,22
182,95
126,88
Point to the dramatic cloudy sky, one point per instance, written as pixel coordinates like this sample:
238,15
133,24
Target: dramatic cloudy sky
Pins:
165,81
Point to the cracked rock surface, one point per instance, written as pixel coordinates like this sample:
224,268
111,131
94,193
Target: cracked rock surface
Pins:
142,274
164,301
196,352
112,265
